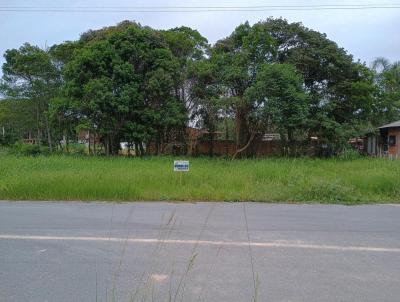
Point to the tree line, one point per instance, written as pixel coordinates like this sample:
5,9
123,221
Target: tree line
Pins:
135,84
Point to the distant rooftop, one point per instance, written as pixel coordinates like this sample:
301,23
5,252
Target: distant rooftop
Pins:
391,125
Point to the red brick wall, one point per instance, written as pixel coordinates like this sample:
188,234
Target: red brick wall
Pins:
221,148
228,148
394,150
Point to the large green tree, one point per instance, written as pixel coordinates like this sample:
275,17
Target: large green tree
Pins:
125,80
235,62
17,120
281,101
387,77
132,83
29,74
341,91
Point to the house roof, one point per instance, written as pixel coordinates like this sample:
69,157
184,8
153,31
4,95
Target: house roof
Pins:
391,125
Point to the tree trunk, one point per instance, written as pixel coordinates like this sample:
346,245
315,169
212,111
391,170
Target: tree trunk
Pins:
38,138
46,120
211,146
290,142
242,130
67,143
94,144
226,137
137,152
115,145
284,143
108,145
157,144
142,153
147,150
89,145
244,148
161,149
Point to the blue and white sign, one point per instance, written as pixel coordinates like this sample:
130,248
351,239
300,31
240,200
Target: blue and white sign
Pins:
181,166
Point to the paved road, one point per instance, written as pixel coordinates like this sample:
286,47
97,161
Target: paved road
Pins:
198,252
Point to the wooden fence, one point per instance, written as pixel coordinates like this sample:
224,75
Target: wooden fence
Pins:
217,148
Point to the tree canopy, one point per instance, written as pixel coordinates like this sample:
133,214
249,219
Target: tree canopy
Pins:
135,84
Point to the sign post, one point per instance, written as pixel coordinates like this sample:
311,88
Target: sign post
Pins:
181,166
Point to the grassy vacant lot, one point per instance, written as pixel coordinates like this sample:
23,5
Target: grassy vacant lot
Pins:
273,180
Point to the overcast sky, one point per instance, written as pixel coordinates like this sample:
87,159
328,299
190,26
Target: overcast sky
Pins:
366,34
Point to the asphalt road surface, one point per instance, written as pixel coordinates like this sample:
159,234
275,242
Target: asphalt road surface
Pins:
198,252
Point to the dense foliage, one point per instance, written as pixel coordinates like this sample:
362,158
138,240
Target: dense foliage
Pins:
134,84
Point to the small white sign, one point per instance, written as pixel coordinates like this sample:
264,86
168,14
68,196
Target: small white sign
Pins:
181,166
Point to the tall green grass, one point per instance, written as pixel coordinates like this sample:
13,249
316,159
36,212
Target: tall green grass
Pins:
364,180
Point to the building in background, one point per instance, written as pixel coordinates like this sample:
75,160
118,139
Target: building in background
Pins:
387,143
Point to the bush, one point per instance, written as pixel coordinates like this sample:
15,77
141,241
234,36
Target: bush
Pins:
29,150
7,140
331,191
349,154
77,149
4,150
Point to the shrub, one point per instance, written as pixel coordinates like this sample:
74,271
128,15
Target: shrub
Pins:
349,154
327,191
4,150
77,149
29,150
